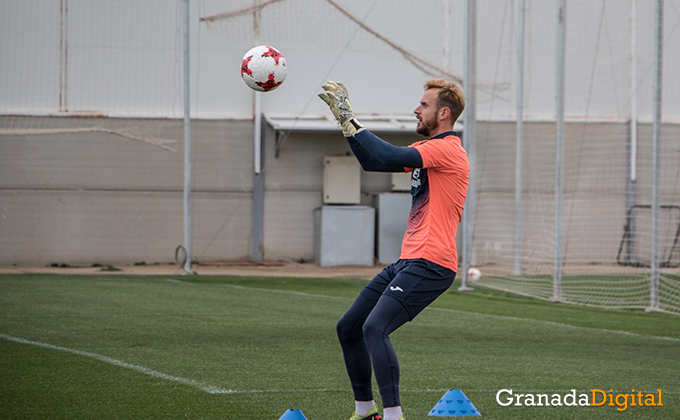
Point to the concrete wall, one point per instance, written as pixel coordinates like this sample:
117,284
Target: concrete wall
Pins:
101,198
85,198
97,197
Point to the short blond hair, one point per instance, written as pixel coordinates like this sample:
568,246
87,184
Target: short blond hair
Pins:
449,95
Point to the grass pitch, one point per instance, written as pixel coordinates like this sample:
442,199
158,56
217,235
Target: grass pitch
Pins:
249,348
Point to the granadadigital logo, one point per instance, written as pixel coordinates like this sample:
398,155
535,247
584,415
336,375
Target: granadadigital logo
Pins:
595,398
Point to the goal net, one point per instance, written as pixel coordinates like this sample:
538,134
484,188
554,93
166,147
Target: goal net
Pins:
67,69
606,205
56,79
605,209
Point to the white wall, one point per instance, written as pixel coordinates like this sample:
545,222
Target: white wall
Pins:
124,57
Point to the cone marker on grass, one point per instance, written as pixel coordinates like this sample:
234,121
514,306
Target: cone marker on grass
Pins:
454,404
291,414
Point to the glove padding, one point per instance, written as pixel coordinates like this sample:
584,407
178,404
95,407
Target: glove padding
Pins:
337,99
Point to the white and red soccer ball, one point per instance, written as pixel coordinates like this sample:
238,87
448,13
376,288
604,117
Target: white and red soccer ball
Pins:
263,68
474,274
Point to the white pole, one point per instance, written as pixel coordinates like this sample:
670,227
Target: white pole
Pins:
446,35
256,252
656,138
468,135
520,138
559,149
472,108
633,91
257,138
257,98
463,268
63,74
187,144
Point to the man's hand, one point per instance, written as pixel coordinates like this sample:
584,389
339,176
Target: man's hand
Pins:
337,99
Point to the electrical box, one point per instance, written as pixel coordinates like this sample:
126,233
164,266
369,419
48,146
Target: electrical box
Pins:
341,180
401,181
392,217
344,235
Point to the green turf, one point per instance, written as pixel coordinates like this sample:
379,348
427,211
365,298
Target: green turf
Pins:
145,347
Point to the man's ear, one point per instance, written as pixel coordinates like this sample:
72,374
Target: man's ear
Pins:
444,113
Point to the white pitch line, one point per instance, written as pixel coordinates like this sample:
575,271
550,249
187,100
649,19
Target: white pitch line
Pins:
282,391
559,324
291,292
179,281
141,369
504,317
217,390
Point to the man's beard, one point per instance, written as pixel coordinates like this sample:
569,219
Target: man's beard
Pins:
427,127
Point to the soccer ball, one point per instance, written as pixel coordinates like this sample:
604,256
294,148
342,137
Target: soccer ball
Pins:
263,68
474,274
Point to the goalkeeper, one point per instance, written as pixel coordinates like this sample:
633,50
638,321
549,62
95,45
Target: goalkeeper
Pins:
428,263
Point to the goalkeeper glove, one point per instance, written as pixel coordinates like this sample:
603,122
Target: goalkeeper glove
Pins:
337,99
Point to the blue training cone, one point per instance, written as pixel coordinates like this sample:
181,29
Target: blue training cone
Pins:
454,404
291,414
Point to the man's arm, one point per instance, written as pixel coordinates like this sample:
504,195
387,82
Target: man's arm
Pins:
369,162
375,154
